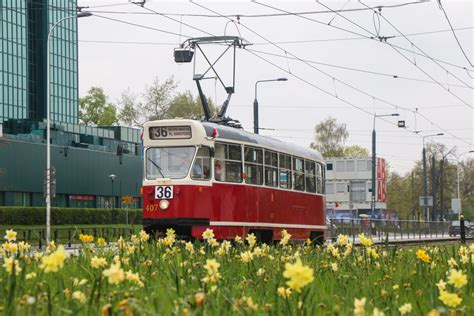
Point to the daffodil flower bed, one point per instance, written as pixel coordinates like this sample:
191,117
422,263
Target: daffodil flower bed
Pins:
141,276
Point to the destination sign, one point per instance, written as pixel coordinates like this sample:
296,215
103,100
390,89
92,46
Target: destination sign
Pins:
170,132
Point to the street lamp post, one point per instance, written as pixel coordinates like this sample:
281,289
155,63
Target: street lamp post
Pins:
112,179
48,124
255,103
374,162
425,180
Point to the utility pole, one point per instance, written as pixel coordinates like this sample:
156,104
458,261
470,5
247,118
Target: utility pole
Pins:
441,189
433,186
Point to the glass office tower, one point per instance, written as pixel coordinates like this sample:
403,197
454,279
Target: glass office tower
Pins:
23,88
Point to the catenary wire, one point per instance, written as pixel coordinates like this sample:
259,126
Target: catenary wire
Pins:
454,33
372,37
317,87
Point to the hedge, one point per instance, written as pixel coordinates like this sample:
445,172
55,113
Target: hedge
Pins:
68,216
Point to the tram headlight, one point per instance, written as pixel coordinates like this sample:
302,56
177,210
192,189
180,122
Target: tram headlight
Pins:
164,204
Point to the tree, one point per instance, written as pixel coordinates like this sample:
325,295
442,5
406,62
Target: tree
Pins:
330,137
94,108
129,114
356,151
185,105
157,99
154,105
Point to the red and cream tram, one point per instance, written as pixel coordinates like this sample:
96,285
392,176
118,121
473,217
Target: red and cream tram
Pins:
202,175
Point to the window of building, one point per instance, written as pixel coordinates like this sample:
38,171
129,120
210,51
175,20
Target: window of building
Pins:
298,173
253,165
361,165
202,165
340,188
310,176
285,171
271,168
329,188
350,165
329,166
228,163
340,166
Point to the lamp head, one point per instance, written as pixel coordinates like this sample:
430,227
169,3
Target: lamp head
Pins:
395,114
84,14
282,79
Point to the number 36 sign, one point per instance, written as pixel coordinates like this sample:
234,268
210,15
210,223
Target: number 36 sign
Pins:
164,192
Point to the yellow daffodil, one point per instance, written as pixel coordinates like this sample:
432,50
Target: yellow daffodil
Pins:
143,236
298,274
457,278
251,239
441,285
212,266
284,292
208,234
101,241
405,308
359,306
97,262
238,239
423,256
365,241
79,296
54,261
10,263
10,235
449,299
114,274
342,240
377,312
86,238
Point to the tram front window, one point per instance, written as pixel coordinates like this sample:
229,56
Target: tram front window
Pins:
169,162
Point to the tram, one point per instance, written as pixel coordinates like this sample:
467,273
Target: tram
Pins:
200,175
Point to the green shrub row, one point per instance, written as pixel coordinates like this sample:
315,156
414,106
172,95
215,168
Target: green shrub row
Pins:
68,216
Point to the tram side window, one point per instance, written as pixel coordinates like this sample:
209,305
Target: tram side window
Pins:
228,163
298,172
320,178
253,165
310,176
202,165
285,171
271,168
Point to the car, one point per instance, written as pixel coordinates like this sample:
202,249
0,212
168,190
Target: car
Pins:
455,228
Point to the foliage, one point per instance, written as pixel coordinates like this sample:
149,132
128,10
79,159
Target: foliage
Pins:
68,215
154,103
403,192
355,151
94,108
330,137
142,276
184,105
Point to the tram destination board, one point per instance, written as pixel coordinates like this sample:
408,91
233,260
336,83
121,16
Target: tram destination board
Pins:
170,132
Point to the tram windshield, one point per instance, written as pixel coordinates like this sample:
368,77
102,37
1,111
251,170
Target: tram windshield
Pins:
169,162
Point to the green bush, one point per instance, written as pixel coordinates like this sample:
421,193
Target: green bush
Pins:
68,216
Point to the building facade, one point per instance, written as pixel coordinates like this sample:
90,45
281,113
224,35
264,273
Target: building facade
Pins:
93,166
349,187
25,25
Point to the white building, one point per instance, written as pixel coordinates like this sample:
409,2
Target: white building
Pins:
349,187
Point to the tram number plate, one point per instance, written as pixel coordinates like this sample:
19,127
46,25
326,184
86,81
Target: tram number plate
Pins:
164,192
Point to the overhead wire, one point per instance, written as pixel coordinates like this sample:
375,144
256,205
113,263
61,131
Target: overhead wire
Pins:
394,76
454,33
422,51
389,103
319,88
372,37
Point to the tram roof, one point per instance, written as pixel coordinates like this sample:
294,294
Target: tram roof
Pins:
230,133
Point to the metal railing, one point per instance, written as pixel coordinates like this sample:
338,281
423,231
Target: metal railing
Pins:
381,229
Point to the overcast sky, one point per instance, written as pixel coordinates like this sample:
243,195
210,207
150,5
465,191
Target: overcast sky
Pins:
432,96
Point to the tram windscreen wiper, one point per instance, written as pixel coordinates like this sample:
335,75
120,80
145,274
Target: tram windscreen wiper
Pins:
157,167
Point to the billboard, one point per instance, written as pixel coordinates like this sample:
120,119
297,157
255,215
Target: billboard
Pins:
381,180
